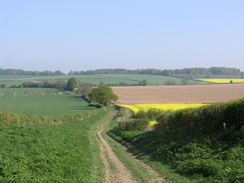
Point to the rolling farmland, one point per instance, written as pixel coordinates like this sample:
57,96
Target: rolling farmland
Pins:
96,79
41,101
46,121
195,94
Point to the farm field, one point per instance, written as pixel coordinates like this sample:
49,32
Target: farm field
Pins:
162,107
37,101
194,94
61,153
110,79
224,80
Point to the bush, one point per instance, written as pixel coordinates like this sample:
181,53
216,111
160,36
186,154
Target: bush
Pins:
134,124
203,167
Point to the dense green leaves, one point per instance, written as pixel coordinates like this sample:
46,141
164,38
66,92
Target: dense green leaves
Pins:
206,144
102,95
48,153
72,84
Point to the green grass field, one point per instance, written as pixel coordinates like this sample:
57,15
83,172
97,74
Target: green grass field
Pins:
33,101
64,153
98,78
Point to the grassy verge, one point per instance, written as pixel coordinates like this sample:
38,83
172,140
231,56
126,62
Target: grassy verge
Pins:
138,171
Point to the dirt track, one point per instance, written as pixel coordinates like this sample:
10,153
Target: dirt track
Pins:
179,94
115,171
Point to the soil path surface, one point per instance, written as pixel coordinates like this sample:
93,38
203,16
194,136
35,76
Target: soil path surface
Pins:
115,170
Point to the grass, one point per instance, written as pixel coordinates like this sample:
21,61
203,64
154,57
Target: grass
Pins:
26,91
98,78
187,159
31,101
65,153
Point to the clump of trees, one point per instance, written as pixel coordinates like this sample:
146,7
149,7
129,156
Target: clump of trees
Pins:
2,86
72,84
61,85
102,95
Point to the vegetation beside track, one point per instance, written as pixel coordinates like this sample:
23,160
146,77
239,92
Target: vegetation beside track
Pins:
204,145
62,153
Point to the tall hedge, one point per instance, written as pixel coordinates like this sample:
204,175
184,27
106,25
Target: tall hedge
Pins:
215,117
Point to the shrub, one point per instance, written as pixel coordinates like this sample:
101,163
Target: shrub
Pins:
134,124
204,167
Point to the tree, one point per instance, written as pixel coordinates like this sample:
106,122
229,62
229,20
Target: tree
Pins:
72,84
143,83
102,95
2,85
85,89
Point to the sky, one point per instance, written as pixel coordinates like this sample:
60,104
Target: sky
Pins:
134,34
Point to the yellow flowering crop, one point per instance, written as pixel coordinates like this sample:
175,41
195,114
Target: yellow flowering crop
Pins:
153,123
164,107
223,80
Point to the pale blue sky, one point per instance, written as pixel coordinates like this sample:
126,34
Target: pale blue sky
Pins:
80,35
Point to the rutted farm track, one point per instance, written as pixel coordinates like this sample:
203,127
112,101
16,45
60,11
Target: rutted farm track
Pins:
115,170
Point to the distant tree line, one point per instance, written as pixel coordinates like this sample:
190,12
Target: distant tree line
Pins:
166,72
33,73
71,85
122,83
187,71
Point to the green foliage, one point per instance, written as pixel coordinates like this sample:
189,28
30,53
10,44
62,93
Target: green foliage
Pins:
102,95
72,84
211,158
49,153
205,144
9,118
207,119
134,124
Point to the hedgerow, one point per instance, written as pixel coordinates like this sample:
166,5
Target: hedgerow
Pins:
204,144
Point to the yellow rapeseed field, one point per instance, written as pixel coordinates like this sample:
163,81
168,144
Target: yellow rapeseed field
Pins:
164,107
223,80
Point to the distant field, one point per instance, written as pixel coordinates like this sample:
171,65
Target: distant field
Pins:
210,76
33,101
97,79
223,80
193,94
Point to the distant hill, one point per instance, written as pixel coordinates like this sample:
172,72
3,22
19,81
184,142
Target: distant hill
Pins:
32,73
186,72
207,72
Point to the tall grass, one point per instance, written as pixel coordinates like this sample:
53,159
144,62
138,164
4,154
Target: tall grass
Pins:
10,118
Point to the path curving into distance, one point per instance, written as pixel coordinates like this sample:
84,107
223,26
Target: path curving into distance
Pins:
115,170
